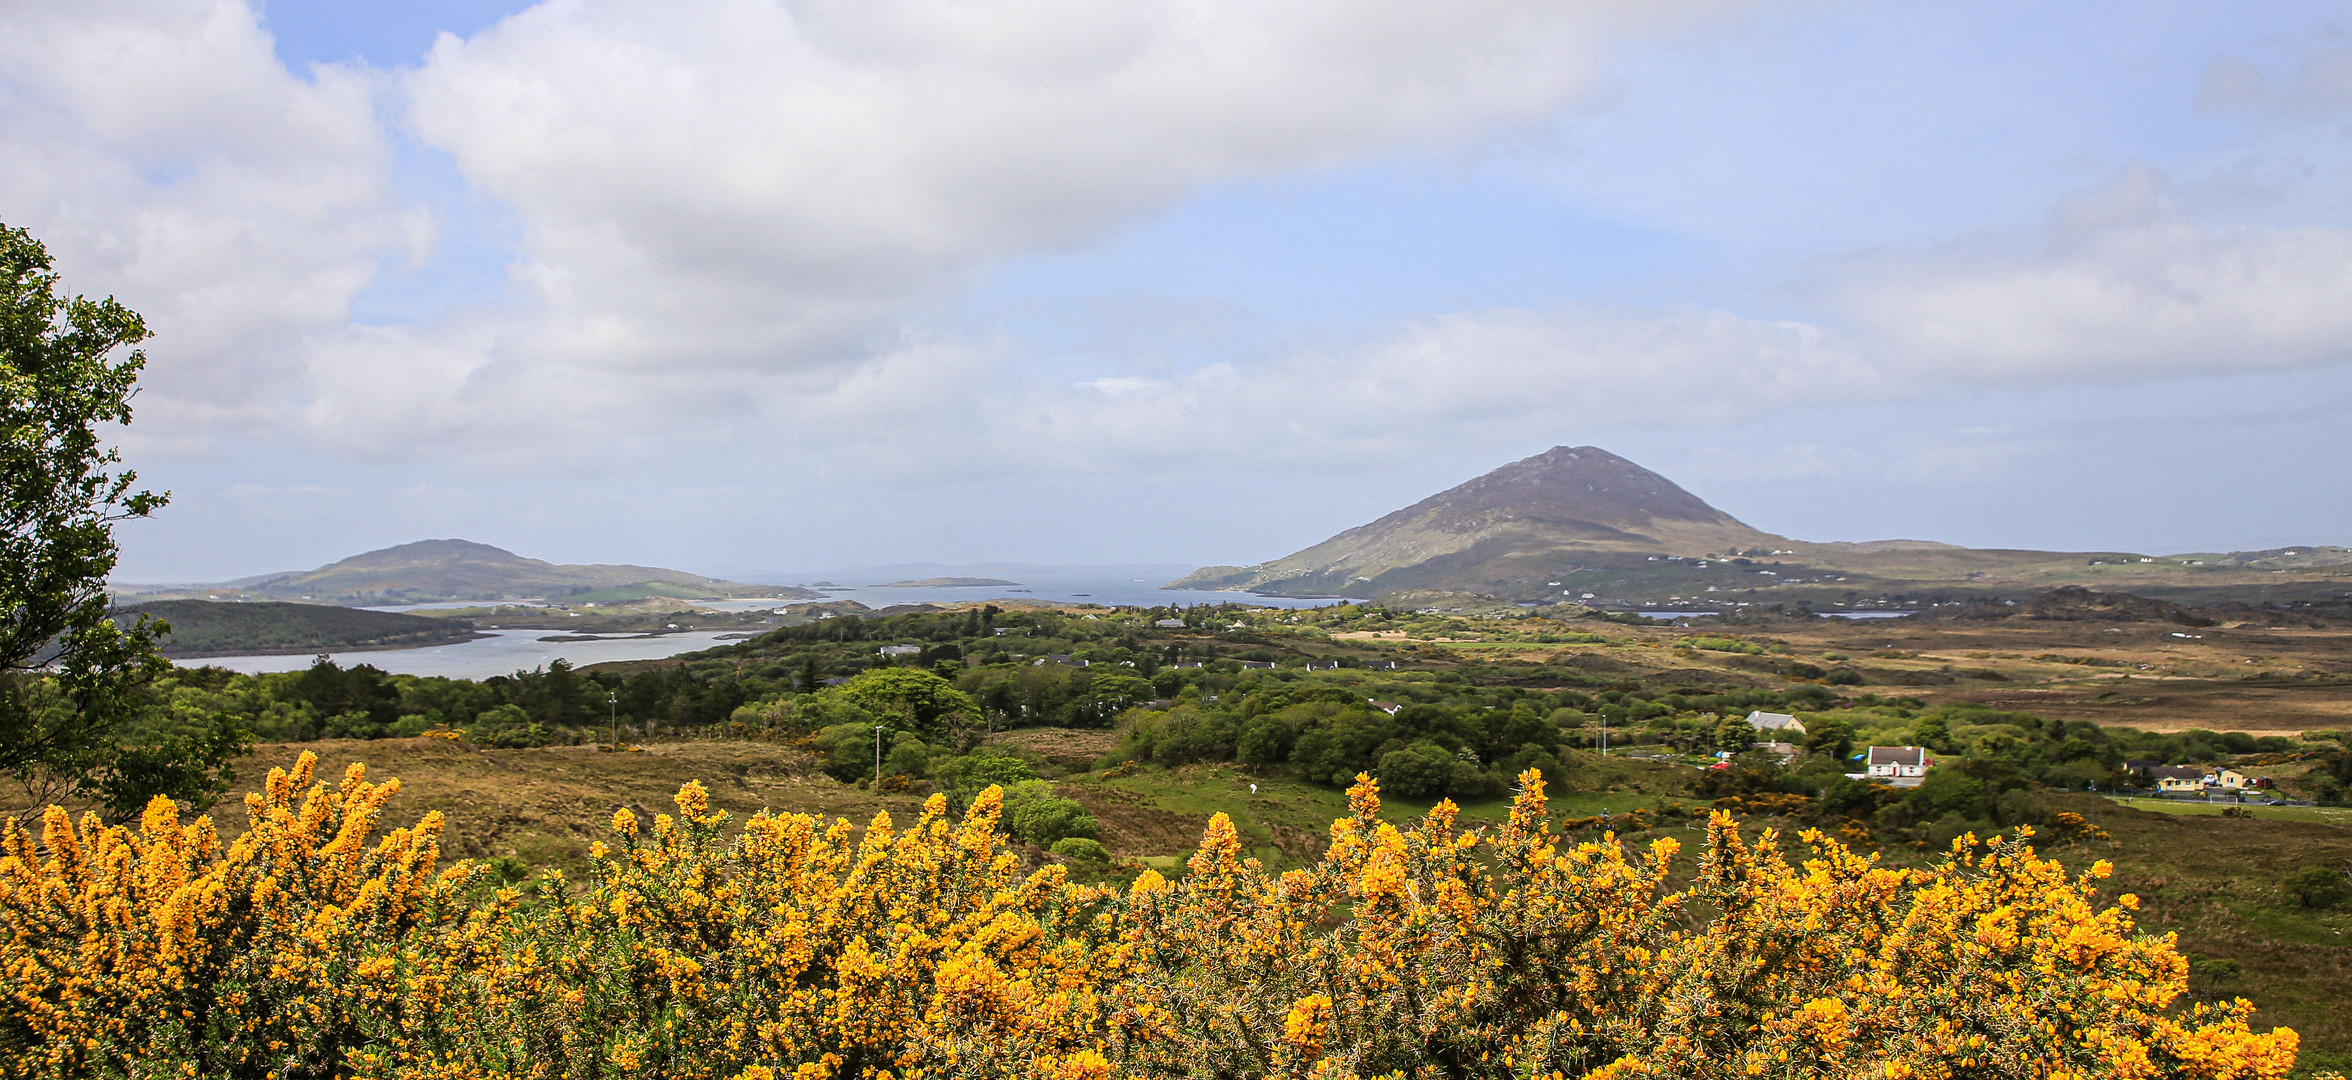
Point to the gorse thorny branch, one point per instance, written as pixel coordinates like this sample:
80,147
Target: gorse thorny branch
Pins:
312,947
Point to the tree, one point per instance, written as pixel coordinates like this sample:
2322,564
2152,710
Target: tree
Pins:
908,698
70,676
1831,736
1111,692
1735,734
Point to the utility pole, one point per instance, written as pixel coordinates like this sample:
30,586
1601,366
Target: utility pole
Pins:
877,755
612,718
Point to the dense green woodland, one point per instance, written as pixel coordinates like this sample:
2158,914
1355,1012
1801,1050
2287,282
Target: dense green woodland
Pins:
1177,696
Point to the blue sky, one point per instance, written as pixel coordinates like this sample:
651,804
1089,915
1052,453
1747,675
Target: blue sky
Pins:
741,286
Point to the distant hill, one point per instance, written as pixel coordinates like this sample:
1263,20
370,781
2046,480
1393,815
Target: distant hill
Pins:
208,628
429,571
1507,529
1582,525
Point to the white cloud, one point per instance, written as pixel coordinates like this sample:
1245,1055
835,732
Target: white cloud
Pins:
942,411
732,211
791,166
739,192
2122,283
165,157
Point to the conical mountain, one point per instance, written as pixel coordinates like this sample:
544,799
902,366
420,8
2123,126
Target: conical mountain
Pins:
1506,532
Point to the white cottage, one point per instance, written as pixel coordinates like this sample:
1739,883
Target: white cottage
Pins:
1902,766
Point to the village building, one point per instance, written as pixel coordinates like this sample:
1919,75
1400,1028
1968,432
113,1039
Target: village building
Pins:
2176,779
1784,750
1901,766
1777,723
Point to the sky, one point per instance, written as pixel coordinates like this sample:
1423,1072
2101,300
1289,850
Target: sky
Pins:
754,286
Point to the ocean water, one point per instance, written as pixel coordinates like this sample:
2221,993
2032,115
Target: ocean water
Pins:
1114,586
502,652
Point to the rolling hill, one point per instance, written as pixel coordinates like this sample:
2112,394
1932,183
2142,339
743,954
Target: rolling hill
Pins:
429,571
1583,525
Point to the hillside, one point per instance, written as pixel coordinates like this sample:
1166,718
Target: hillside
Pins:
446,570
1582,525
207,628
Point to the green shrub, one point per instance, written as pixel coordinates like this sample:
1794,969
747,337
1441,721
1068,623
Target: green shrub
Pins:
848,751
2316,887
979,770
909,756
1418,772
1033,813
1080,849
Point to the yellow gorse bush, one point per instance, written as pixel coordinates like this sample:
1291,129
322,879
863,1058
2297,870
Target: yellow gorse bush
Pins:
799,948
161,951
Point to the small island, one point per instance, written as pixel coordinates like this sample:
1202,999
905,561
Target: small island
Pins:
948,583
204,628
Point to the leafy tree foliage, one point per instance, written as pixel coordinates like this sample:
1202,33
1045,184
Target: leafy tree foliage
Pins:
70,677
910,697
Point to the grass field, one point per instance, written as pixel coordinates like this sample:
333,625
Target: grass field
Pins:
2332,815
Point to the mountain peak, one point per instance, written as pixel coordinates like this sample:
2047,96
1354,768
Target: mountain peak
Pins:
1582,487
1507,528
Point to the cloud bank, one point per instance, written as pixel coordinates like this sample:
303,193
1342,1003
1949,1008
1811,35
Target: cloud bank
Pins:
740,221
165,156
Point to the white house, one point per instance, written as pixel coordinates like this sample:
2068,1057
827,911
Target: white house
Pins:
1902,766
1779,723
1169,624
900,650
